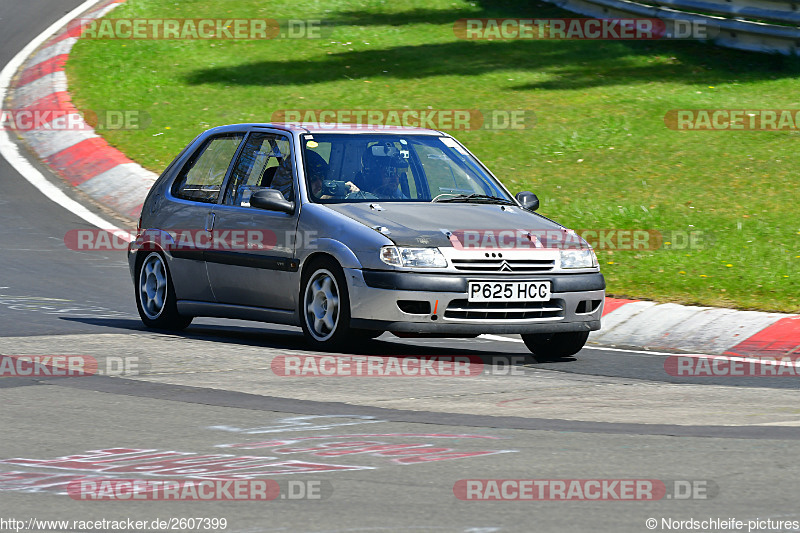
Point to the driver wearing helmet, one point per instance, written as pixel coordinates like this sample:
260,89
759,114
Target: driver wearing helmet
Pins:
391,172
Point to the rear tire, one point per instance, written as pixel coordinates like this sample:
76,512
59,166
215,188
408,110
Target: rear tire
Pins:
155,296
325,305
555,346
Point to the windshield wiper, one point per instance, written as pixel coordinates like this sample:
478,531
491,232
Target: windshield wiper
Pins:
475,198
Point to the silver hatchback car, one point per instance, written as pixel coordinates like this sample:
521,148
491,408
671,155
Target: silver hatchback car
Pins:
350,231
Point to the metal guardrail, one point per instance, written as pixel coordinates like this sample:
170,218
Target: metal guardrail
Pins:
757,25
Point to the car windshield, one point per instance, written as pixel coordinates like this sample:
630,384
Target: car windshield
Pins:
394,168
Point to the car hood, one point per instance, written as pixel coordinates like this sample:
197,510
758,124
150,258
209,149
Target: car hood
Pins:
418,224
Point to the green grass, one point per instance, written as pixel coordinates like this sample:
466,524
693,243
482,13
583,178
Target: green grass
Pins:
599,156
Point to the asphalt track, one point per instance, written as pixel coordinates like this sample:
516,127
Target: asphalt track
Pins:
606,414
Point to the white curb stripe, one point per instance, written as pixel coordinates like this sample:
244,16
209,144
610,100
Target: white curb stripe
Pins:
36,90
123,187
707,330
642,329
755,360
60,48
619,316
9,149
701,330
48,142
63,122
102,11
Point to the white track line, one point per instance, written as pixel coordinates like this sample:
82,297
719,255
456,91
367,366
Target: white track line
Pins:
766,360
490,337
10,151
589,347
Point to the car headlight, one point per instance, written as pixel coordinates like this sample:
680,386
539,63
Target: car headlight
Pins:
413,257
581,258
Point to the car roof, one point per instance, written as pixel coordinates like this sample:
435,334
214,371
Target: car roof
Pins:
315,127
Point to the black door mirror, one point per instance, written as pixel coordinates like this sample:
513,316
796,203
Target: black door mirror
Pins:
528,200
271,200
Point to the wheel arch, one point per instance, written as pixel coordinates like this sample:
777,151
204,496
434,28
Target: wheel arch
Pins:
154,240
313,258
334,248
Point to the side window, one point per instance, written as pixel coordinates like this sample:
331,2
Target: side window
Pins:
201,178
265,162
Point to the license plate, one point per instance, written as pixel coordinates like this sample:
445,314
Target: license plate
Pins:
509,291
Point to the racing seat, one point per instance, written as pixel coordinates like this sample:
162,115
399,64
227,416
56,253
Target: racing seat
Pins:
369,177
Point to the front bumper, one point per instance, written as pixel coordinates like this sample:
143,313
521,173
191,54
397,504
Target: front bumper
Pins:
576,304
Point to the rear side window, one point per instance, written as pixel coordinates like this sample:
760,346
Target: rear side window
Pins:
201,178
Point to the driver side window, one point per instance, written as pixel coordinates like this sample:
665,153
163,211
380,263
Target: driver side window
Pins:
265,163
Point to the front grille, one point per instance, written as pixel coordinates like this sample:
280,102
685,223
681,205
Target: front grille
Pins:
504,265
466,310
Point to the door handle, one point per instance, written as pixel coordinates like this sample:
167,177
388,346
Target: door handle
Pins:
210,219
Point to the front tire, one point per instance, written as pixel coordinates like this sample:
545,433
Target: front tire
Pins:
555,346
325,304
155,296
